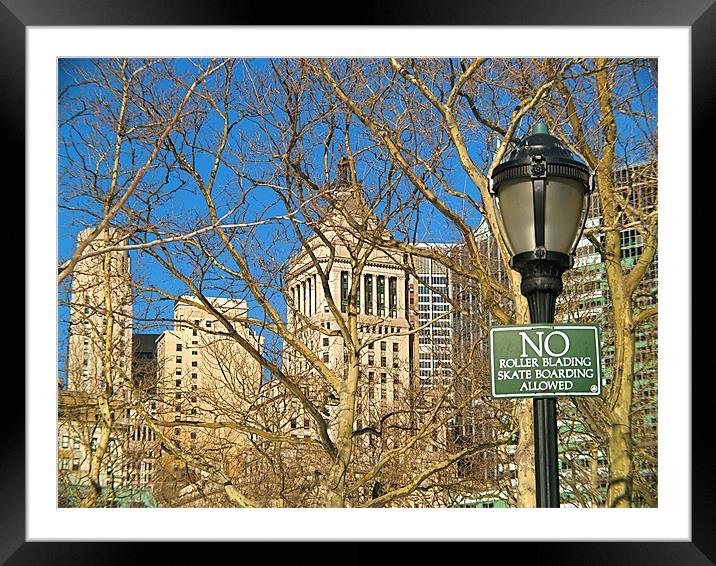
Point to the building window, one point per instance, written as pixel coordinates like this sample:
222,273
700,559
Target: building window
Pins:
631,243
178,359
65,441
194,353
65,464
193,435
208,324
177,431
325,341
310,296
381,295
293,423
303,289
178,382
368,293
194,364
344,291
179,346
393,297
325,357
314,297
76,442
178,372
75,464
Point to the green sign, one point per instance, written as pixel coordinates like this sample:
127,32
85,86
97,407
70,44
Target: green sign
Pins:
545,360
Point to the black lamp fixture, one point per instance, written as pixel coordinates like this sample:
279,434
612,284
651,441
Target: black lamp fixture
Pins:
542,195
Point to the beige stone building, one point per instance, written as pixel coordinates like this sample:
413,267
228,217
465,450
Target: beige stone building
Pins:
206,383
128,467
376,282
100,317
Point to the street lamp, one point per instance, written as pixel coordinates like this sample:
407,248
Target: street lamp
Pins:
542,196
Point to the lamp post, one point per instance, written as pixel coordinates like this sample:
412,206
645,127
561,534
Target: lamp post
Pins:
542,196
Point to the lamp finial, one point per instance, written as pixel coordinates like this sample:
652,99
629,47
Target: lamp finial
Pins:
539,128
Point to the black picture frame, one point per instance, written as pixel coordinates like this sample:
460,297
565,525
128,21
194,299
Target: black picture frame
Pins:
698,15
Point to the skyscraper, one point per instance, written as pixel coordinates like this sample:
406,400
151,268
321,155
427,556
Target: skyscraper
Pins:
100,461
434,317
100,317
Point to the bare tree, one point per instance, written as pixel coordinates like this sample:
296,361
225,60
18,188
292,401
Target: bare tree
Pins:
609,123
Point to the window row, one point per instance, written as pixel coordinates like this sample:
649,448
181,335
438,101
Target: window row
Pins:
374,298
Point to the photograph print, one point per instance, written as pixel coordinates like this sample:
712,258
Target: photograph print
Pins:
357,282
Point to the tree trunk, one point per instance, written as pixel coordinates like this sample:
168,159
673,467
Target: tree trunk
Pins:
620,437
620,396
525,452
103,395
525,455
335,485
